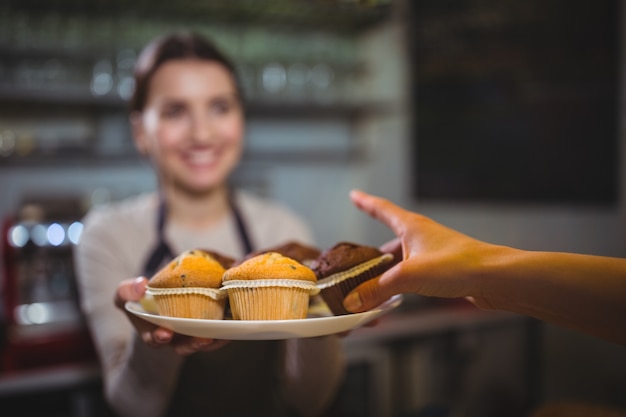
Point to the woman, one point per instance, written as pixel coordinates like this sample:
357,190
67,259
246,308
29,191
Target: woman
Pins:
187,118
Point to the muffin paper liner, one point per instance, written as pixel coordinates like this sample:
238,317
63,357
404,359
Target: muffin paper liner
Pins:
334,288
269,299
258,283
268,303
194,303
214,293
355,271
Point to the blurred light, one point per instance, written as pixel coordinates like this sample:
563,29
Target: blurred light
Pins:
7,142
35,313
125,87
102,79
39,235
18,236
55,234
74,232
101,84
274,78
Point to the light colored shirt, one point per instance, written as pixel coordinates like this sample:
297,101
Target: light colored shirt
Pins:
296,374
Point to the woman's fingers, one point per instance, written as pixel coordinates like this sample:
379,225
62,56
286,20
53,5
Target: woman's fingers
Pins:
133,290
130,290
188,345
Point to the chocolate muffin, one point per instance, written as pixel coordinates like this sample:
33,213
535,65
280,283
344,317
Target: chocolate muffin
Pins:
225,261
345,266
298,251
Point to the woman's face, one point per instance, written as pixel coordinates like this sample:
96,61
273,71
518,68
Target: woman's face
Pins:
192,125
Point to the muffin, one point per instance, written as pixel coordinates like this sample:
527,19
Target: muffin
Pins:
298,251
189,286
345,266
269,286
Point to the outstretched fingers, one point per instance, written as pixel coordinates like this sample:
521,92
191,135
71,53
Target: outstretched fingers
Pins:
381,209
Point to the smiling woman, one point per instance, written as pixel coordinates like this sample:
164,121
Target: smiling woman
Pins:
191,130
187,119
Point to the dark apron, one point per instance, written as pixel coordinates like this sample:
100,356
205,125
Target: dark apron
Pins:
162,252
237,380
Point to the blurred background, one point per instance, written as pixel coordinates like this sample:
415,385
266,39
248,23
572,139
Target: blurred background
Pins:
501,119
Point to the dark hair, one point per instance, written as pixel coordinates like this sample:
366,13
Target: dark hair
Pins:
174,46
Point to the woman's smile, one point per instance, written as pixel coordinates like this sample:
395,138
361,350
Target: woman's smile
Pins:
201,158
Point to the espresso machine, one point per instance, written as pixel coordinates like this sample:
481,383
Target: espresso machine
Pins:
42,324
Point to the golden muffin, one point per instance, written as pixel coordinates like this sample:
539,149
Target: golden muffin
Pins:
269,286
190,286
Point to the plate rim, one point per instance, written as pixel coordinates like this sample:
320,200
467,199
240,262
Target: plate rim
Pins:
360,319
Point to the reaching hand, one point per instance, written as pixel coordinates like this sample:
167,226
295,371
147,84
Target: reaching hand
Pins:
436,261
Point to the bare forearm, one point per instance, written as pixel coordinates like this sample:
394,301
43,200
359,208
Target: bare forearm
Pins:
583,292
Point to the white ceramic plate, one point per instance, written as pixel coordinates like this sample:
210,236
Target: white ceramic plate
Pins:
265,329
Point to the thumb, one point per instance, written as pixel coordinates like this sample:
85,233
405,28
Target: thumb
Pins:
367,296
130,290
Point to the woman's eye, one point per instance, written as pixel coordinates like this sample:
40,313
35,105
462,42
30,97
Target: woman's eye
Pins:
222,106
173,111
219,108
